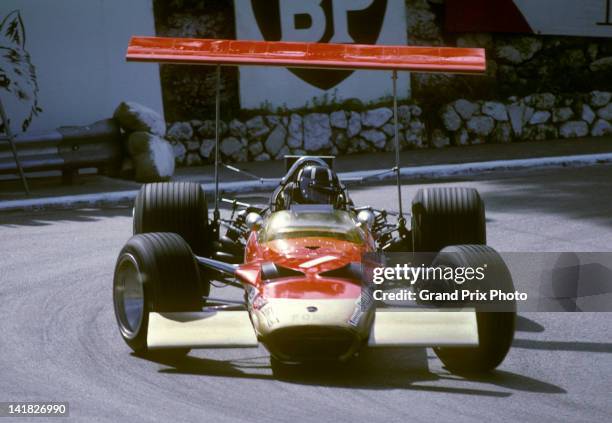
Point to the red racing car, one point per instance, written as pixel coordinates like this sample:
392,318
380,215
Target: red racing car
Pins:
302,260
300,263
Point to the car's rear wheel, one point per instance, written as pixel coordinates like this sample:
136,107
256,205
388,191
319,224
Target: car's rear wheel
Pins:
447,216
495,328
178,207
155,272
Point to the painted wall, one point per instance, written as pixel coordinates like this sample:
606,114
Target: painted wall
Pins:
591,18
583,18
77,48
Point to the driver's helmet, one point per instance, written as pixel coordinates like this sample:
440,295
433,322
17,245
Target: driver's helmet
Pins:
317,184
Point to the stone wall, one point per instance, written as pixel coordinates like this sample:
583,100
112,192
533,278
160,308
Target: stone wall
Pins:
463,122
534,117
265,137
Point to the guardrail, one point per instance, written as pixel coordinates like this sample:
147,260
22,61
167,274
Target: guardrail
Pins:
66,149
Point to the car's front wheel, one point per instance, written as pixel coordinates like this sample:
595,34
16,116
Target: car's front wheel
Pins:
496,321
155,272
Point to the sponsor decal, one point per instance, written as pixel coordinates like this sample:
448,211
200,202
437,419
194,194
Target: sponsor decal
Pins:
255,301
362,306
259,302
268,314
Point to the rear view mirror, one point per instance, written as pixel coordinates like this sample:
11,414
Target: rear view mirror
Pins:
253,221
365,219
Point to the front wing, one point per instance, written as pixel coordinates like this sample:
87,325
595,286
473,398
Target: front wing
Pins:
391,328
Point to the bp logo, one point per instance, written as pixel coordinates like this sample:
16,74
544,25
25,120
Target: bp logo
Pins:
323,21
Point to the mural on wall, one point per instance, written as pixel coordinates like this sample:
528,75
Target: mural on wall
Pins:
18,85
320,21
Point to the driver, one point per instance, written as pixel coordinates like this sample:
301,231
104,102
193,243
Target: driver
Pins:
315,184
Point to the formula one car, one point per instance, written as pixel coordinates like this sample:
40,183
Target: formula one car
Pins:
300,262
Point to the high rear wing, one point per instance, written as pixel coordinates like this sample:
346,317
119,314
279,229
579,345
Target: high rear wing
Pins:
192,51
306,55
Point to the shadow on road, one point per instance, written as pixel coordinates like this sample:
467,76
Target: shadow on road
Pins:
48,217
575,193
44,217
572,193
513,381
596,347
375,369
523,324
221,368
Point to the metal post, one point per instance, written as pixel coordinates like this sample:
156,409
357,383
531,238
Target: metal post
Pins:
607,20
9,138
397,147
217,111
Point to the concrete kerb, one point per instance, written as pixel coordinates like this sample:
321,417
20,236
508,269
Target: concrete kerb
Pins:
433,171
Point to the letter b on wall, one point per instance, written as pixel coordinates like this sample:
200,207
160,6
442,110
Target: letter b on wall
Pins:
323,21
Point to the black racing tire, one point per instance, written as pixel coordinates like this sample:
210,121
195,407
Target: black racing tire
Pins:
447,216
178,207
495,328
155,272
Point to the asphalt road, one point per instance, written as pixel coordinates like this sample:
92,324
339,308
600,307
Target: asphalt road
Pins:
58,339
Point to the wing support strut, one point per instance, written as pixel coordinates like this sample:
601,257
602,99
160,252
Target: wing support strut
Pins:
401,220
216,214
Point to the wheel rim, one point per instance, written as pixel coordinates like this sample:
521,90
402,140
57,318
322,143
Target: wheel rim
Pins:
129,296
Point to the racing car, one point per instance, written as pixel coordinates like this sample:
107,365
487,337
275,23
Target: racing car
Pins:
300,261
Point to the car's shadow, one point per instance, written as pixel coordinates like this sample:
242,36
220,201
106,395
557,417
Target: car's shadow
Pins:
524,324
392,368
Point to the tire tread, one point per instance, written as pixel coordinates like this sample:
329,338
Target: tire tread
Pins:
447,216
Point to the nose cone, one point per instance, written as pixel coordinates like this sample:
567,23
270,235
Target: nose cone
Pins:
308,343
309,329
